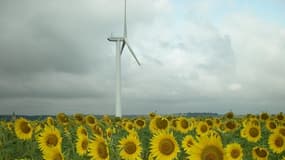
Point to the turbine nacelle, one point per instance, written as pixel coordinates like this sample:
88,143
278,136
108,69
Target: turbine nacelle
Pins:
125,42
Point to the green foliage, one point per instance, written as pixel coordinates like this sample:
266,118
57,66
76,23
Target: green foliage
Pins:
13,148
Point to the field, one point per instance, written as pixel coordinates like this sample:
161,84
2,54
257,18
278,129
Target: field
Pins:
152,137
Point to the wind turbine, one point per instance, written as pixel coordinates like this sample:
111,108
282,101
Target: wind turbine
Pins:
121,42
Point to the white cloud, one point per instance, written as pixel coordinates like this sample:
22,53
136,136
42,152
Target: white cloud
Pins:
235,87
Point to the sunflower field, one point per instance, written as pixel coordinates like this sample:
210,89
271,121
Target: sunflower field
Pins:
152,137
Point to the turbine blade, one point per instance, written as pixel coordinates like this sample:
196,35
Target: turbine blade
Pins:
125,20
123,45
132,52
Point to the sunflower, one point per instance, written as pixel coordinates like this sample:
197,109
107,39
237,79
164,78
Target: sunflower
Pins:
130,147
264,116
49,121
82,145
217,122
234,151
109,133
183,125
49,138
96,129
222,128
107,119
152,115
245,122
173,123
229,115
259,153
79,118
271,125
280,116
208,147
202,128
164,146
62,119
98,149
280,130
187,143
210,122
140,123
53,154
158,124
169,117
10,126
230,125
276,143
90,120
251,132
254,121
23,129
81,131
129,126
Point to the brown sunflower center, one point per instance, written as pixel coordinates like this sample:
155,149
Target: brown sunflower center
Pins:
102,150
231,125
63,119
140,122
130,147
130,126
90,120
84,144
235,153
204,128
79,118
212,153
230,115
279,142
190,143
253,132
217,121
152,115
25,128
209,122
264,116
184,123
280,117
260,152
52,140
166,146
161,123
272,125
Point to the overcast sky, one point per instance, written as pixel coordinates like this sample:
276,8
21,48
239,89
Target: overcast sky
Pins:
197,56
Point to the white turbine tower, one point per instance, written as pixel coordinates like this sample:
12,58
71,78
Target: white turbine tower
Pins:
120,44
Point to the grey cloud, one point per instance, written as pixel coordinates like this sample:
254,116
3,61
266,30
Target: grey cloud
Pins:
54,56
53,85
54,53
